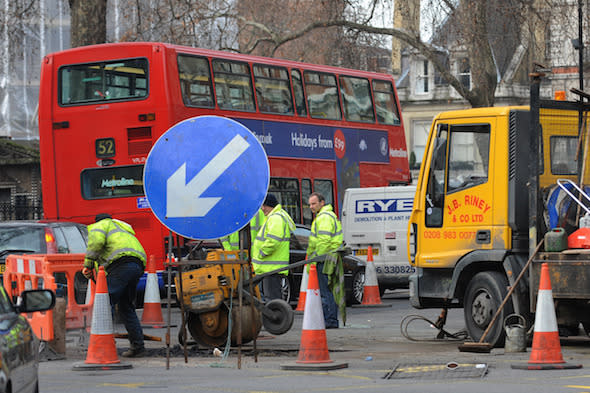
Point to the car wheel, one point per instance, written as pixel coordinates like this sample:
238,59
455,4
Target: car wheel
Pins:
286,289
483,296
358,288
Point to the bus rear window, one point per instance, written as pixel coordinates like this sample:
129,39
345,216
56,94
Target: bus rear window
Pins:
112,182
386,108
103,81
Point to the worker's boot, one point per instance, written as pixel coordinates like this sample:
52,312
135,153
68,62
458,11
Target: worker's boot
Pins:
134,352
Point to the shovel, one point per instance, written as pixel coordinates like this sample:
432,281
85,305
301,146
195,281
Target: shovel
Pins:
484,347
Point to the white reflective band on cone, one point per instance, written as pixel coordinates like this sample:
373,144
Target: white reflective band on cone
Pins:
545,320
152,294
102,321
313,316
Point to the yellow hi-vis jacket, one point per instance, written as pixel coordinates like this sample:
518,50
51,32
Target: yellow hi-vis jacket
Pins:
110,239
270,250
326,233
231,242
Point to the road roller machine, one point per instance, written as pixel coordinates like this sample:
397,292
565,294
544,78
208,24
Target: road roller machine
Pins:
210,298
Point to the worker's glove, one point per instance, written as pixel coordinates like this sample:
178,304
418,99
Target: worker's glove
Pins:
88,272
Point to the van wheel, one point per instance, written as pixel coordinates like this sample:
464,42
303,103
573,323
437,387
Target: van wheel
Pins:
483,296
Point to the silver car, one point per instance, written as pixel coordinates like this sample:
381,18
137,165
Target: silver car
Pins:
19,347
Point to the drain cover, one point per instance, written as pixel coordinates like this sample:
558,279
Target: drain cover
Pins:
450,370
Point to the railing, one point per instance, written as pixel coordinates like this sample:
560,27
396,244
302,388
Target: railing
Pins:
21,211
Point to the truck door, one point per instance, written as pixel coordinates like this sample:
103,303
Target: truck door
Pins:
457,199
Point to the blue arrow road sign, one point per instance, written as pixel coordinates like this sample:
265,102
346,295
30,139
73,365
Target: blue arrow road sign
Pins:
206,177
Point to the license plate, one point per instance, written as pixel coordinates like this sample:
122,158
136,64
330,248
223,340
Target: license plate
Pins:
2,268
364,251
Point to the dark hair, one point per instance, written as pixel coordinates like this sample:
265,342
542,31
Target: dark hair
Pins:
102,216
270,201
318,195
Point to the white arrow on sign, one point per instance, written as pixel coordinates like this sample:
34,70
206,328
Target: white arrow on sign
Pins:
184,199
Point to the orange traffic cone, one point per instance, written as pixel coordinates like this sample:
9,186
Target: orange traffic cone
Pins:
89,292
152,307
546,349
313,350
102,352
303,289
371,295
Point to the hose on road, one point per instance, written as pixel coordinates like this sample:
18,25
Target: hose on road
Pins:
442,334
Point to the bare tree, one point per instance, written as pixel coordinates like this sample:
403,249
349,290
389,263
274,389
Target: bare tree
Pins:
473,26
88,22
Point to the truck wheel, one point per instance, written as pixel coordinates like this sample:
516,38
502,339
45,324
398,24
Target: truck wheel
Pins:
483,296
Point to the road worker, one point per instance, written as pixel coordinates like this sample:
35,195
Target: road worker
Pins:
270,250
231,242
113,245
325,239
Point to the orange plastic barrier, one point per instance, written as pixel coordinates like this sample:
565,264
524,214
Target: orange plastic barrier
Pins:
49,271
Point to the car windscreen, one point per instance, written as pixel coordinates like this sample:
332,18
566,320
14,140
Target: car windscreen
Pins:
22,238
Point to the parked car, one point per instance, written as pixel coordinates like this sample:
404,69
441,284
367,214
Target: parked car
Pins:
41,237
354,270
19,347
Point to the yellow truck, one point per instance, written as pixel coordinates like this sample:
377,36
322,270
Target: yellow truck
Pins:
485,197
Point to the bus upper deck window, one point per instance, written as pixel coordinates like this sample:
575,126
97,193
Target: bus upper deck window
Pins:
385,105
195,81
273,91
356,99
322,96
121,80
233,85
298,91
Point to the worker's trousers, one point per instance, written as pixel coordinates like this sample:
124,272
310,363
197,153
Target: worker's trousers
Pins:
122,281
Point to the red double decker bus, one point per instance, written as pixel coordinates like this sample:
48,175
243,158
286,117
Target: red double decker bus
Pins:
102,107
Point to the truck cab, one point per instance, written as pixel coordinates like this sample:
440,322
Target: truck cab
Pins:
473,223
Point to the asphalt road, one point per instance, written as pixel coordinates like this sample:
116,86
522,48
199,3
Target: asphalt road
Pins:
371,344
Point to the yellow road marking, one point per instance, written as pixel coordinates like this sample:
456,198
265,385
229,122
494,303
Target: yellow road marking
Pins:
126,385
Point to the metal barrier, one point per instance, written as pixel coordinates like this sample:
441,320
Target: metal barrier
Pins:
57,272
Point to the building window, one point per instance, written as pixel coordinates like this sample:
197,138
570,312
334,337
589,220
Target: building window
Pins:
464,73
419,136
439,80
422,78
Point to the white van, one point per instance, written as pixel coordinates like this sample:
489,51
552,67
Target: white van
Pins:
378,217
